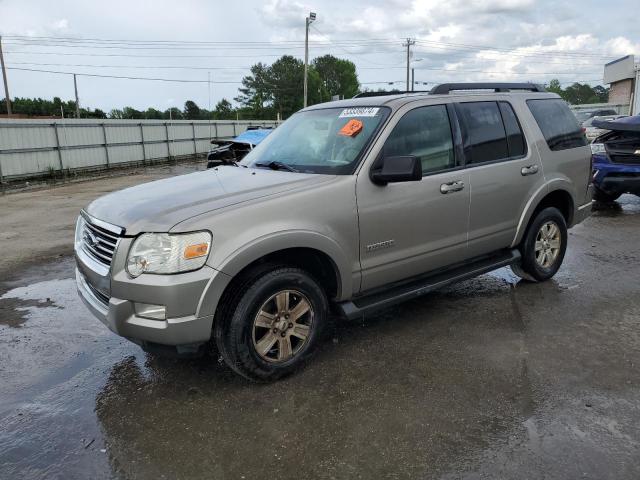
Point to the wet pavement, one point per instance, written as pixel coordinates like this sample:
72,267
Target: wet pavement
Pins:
490,378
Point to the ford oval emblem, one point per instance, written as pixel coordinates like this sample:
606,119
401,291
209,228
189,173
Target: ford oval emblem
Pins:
90,239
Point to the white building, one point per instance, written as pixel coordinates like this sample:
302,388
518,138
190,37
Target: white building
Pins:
623,77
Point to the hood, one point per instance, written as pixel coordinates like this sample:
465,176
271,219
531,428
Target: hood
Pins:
158,206
626,124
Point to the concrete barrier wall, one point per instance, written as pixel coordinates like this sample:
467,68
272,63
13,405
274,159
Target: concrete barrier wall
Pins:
39,147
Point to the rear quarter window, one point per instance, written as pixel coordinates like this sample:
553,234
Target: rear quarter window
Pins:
558,125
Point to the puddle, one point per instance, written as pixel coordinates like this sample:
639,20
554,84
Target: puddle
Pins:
478,377
625,205
19,304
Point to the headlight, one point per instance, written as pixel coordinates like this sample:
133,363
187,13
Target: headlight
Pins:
80,223
164,253
597,148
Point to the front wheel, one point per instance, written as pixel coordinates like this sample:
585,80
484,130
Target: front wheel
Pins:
543,246
273,325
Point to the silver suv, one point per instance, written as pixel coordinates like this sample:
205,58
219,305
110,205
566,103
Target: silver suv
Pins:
346,208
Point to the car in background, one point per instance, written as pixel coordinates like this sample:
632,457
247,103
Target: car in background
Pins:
230,151
616,158
584,115
592,131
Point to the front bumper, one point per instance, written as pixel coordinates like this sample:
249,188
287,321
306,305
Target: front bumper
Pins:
190,300
615,184
616,178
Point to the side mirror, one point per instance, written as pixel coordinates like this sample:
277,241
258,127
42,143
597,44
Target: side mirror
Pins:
407,168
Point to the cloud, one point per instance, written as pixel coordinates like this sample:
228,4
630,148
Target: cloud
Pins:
458,40
60,25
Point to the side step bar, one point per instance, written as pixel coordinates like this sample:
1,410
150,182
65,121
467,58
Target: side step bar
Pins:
369,303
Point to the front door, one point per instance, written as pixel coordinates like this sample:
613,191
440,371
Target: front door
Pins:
411,228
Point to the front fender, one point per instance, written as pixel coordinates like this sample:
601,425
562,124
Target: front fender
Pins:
273,242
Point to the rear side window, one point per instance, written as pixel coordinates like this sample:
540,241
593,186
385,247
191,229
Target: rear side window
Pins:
515,137
557,124
484,135
426,133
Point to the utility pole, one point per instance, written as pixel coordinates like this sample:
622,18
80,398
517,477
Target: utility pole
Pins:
6,83
408,45
75,87
307,21
210,111
413,79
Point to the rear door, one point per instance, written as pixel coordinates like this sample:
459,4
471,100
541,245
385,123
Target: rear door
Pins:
503,172
410,228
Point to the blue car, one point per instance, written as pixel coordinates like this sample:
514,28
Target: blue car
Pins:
616,158
233,150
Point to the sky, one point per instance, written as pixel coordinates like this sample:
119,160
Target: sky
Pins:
212,44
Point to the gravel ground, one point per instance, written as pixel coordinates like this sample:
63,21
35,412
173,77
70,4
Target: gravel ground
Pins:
490,378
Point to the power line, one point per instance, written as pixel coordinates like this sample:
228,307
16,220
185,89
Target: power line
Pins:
166,44
179,80
253,45
180,67
196,47
197,42
353,53
175,80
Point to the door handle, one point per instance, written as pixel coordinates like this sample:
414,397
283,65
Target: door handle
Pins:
529,170
451,187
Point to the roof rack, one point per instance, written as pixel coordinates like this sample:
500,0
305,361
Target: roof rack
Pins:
446,88
382,94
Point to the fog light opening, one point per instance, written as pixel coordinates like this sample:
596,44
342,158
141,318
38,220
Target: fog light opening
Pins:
154,312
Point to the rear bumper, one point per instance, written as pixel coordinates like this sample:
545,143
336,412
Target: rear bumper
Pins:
583,211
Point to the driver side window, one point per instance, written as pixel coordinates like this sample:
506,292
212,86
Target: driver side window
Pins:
424,132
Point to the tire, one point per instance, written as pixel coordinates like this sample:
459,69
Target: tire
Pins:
548,233
272,324
604,197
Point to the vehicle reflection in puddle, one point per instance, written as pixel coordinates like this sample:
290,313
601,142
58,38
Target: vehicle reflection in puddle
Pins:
625,205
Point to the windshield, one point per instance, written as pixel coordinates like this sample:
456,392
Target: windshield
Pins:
319,141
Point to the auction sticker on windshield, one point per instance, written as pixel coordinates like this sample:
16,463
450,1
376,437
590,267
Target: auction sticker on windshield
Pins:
359,112
352,128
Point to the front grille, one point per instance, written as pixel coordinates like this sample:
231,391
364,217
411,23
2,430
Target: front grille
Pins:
98,242
627,159
624,150
101,297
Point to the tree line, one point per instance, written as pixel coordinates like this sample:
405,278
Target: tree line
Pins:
579,93
268,92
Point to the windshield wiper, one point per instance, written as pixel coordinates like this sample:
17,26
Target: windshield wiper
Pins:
277,166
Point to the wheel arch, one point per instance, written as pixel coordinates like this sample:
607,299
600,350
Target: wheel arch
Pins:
319,255
556,195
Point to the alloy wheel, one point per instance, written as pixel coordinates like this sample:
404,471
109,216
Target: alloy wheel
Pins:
548,243
282,326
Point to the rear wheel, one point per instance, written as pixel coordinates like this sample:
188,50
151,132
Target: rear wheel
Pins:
273,324
604,197
543,246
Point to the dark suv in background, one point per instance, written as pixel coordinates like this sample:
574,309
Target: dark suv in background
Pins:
616,158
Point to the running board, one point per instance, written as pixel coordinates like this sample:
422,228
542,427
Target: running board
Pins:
372,302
